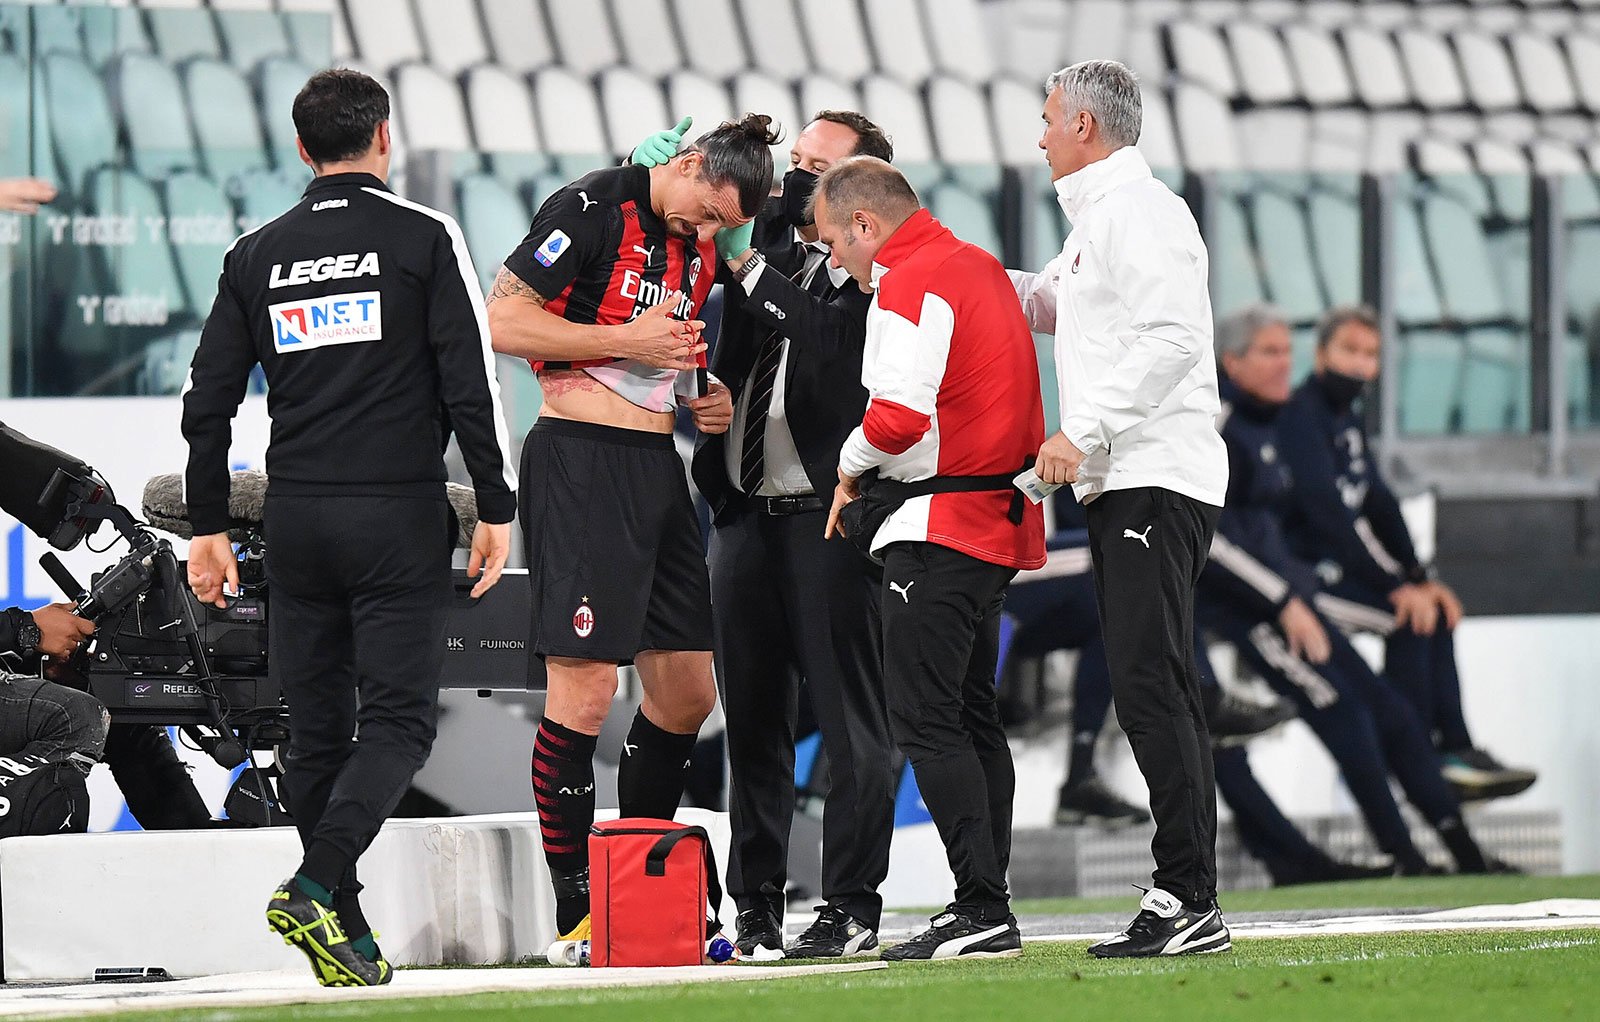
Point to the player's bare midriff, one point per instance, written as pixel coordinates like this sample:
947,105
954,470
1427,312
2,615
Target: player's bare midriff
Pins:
574,394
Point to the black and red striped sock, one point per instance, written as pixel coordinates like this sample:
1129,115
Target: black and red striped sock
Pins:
563,791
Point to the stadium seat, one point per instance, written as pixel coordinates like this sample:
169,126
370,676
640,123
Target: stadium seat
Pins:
452,35
16,120
1219,12
1461,125
1098,28
1490,80
1494,378
1336,245
494,221
105,34
1387,15
1033,37
145,92
776,44
1582,412
819,92
1266,77
899,112
517,34
1435,76
1542,69
952,27
251,36
693,94
1375,67
384,34
570,117
265,195
1046,230
837,38
1205,130
1235,269
1580,197
1430,382
1340,140
1469,288
896,33
166,363
1416,297
1014,109
1156,139
1319,66
144,268
1390,133
200,227
644,28
181,33
962,133
1286,263
1505,168
1583,284
429,109
1197,53
632,108
710,34
1331,13
582,36
500,111
224,116
1275,140
313,38
1583,57
763,94
278,81
968,214
60,29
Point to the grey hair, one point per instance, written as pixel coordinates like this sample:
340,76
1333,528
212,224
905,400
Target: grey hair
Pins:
1339,315
1109,91
1238,329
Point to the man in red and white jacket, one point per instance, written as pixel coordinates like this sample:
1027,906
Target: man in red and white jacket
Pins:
954,401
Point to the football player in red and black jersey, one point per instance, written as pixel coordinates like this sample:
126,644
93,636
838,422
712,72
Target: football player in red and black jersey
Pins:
601,299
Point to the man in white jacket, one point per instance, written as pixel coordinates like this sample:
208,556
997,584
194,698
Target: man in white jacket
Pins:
1127,301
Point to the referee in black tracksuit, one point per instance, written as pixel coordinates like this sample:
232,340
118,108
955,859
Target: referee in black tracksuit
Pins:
364,311
789,604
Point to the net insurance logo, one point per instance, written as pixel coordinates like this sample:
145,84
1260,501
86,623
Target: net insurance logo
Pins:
331,319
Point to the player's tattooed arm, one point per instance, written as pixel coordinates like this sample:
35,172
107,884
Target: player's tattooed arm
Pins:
508,285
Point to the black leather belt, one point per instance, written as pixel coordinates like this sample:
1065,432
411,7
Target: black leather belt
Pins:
787,505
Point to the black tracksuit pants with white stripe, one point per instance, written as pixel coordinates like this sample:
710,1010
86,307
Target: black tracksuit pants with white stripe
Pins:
1148,545
941,644
1368,727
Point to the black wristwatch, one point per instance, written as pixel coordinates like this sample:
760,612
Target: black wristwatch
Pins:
26,631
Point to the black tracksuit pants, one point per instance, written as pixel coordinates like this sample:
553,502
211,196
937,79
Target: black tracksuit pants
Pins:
941,644
358,590
1148,545
790,605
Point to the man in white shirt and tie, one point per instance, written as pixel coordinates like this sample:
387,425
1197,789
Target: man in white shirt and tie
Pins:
1128,304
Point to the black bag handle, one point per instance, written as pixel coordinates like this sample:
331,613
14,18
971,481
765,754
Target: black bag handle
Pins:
655,865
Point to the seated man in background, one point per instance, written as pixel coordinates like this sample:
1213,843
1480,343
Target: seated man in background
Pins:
1344,519
1256,595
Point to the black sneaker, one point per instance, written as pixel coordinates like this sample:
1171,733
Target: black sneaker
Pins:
835,934
1330,870
1234,721
313,928
958,935
1476,776
1090,801
760,936
1165,927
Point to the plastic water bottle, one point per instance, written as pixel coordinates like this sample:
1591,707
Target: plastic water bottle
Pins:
718,950
570,953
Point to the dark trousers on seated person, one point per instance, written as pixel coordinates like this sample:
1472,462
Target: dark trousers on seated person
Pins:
941,643
1148,545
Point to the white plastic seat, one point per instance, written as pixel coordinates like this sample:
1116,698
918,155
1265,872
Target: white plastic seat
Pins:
819,92
1583,57
569,114
1331,13
1339,141
1275,140
582,36
1318,64
500,111
632,108
1435,77
895,30
1015,110
1265,75
1389,133
1375,68
898,110
962,131
837,38
149,101
644,28
430,111
517,34
959,39
776,43
183,33
1491,83
1097,29
692,94
383,33
452,35
710,34
1157,141
224,116
1199,55
1205,130
754,92
1542,68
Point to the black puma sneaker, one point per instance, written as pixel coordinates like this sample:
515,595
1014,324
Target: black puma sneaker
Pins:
835,934
958,935
310,926
1164,926
758,936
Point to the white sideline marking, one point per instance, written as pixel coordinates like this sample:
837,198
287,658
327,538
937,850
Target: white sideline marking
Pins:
257,989
1549,914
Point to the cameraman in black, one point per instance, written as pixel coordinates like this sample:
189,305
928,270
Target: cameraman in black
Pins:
363,310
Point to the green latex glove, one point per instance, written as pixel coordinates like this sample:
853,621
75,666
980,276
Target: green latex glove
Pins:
730,241
662,146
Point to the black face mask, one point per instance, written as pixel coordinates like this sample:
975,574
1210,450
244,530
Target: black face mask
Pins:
1341,388
797,188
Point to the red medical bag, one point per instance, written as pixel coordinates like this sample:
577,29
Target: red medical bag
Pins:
649,883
